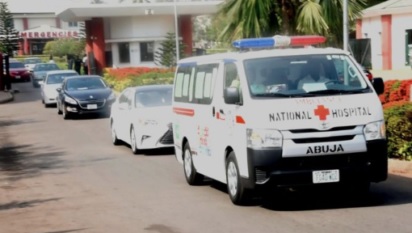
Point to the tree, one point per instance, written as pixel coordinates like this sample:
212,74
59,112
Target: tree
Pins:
257,18
9,36
166,54
62,47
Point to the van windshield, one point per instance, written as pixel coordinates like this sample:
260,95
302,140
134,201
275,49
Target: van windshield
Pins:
326,74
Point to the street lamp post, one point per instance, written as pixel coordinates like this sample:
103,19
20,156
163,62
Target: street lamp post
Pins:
176,33
345,25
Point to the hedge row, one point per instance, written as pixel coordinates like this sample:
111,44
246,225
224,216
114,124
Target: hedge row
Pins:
398,118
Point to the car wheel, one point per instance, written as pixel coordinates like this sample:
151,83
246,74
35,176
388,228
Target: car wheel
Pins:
115,140
237,193
192,177
133,141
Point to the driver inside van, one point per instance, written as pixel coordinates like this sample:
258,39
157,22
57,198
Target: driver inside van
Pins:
313,73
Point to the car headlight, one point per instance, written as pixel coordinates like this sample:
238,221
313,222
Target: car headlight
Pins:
261,138
69,100
375,130
112,96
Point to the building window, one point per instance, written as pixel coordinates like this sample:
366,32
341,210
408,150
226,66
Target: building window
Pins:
124,53
146,51
72,24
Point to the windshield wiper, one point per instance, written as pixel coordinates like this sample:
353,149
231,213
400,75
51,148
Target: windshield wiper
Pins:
338,91
272,95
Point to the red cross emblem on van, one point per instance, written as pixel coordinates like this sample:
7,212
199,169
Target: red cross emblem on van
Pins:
322,112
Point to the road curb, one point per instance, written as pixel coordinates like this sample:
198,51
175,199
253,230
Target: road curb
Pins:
10,97
400,167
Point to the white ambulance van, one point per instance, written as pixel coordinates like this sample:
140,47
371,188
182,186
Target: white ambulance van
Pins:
290,116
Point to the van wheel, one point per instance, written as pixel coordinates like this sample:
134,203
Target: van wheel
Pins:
192,177
237,193
133,141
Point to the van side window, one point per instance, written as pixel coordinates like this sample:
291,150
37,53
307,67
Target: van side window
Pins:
183,90
205,77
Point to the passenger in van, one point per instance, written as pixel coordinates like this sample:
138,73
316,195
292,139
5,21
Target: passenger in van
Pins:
312,73
258,85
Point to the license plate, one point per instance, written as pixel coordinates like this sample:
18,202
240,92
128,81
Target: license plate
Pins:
92,106
17,77
325,176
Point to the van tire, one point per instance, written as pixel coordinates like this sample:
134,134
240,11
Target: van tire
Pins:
192,177
237,193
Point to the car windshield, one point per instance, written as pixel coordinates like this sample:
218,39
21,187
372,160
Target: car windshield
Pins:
46,67
154,97
58,78
15,65
78,84
32,61
304,75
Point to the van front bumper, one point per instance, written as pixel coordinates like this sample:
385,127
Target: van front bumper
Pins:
267,167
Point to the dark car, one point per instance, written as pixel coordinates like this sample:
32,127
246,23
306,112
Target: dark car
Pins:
84,94
40,71
18,72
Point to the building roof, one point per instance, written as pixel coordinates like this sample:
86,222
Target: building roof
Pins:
113,8
390,7
38,6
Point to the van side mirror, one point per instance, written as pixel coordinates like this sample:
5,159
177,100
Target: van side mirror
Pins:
59,89
231,95
378,85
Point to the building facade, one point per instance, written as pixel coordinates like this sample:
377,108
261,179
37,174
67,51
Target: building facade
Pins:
37,24
128,33
389,27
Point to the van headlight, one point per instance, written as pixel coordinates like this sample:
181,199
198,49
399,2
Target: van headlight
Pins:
263,138
375,130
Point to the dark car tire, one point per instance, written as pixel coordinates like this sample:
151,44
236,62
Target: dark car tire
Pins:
191,175
237,193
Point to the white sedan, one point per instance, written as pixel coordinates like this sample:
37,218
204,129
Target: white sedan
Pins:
53,81
141,117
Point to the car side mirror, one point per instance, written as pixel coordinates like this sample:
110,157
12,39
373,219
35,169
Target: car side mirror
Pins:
378,85
59,89
111,86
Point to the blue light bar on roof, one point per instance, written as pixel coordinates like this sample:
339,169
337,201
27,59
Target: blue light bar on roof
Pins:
265,42
278,41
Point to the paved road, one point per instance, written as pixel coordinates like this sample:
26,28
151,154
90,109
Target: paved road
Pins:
65,176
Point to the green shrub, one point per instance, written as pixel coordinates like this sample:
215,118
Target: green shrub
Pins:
398,130
153,78
149,78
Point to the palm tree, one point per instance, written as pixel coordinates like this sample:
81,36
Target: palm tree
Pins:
257,18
